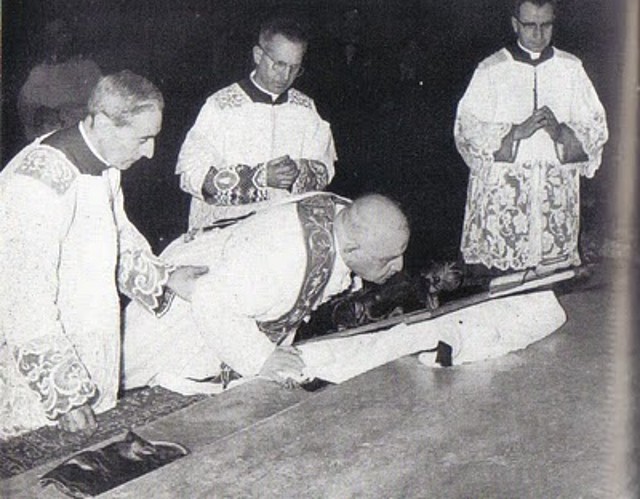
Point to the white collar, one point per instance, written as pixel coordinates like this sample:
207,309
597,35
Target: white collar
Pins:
253,80
90,145
534,55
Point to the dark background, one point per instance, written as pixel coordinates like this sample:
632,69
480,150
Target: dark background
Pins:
392,136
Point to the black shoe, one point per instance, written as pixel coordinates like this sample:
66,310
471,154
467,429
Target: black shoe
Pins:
443,353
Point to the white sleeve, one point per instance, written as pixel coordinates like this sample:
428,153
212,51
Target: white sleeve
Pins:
141,275
199,151
477,134
588,122
322,147
34,219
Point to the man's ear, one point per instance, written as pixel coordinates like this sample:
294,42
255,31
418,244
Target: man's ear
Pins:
514,24
257,54
101,122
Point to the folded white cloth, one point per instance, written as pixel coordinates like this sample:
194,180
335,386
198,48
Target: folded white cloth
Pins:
483,331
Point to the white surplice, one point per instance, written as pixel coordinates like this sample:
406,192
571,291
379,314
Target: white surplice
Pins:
523,213
235,128
65,241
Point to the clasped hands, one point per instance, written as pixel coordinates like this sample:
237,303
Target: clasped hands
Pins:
281,172
540,118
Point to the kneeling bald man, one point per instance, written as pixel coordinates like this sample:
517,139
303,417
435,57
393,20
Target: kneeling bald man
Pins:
267,273
271,270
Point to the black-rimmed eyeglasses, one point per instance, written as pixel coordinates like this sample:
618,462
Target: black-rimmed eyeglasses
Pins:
283,67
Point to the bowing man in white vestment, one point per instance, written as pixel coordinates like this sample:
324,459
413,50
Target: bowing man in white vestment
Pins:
67,249
257,140
529,125
269,271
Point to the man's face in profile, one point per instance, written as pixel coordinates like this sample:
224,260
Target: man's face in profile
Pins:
534,26
130,142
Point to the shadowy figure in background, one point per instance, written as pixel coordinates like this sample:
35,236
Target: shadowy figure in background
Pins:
409,161
404,126
56,92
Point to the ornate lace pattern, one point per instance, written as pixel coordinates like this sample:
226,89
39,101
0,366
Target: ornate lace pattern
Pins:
298,98
52,369
142,277
592,134
236,185
49,168
477,140
521,215
231,97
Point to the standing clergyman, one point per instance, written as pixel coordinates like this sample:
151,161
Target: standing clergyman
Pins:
529,125
257,140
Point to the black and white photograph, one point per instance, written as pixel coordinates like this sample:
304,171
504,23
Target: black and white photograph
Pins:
319,248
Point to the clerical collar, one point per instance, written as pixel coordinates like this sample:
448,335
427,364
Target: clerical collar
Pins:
520,54
257,94
533,55
76,146
90,145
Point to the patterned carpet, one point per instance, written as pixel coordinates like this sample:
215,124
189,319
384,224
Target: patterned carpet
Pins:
135,408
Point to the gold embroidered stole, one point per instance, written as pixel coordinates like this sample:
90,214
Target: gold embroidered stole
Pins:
316,214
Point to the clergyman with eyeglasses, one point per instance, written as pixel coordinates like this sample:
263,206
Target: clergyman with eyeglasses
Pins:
258,140
529,125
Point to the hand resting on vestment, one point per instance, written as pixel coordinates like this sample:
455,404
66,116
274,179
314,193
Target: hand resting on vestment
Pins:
183,279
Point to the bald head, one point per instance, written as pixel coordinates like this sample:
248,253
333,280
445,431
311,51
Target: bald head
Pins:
373,234
375,219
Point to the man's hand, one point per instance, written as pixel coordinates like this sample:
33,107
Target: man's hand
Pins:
531,125
183,280
81,419
281,172
551,125
284,366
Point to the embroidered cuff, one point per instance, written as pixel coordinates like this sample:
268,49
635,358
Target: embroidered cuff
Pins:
568,147
508,149
312,176
142,277
235,185
52,369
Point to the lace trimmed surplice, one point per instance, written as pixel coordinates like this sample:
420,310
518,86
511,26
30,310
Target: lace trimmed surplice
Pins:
526,212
